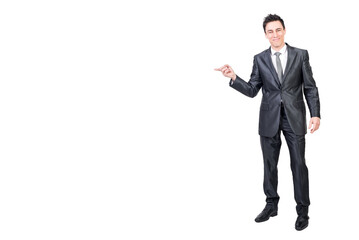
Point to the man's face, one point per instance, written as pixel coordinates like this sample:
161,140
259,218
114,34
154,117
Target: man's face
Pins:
275,34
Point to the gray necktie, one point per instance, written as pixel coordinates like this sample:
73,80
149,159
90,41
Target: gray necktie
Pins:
279,67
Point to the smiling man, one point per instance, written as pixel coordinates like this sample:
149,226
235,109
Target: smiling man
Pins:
284,74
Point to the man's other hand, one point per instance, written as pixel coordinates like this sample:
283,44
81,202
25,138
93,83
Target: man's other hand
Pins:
314,124
227,71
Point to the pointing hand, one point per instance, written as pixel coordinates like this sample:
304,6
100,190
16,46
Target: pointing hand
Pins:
227,71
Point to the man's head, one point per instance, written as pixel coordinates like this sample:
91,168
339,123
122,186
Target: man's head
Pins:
274,30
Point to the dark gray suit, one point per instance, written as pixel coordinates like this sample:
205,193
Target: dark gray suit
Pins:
297,76
282,110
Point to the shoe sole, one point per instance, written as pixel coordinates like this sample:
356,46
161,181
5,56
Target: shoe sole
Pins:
272,215
300,229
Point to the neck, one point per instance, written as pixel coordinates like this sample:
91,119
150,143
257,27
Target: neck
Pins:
278,48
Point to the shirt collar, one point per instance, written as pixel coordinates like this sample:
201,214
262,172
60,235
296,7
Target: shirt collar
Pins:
282,51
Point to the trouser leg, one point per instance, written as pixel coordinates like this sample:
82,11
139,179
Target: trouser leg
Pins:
296,145
270,149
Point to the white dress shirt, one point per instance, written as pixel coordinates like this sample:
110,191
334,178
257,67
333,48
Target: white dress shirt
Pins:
283,57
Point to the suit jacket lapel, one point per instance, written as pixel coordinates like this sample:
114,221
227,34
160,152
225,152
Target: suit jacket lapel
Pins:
291,56
271,66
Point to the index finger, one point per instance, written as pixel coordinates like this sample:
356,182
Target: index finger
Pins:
221,68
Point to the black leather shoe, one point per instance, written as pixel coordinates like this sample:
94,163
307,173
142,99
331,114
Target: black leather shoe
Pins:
266,213
301,223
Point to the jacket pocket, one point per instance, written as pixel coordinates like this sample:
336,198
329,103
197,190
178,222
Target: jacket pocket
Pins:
264,106
300,104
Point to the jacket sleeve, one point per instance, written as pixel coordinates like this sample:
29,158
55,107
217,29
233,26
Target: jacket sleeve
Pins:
310,89
250,88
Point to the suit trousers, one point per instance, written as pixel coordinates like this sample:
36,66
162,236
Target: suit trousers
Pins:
271,149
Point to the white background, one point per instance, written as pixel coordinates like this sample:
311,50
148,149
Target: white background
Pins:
114,125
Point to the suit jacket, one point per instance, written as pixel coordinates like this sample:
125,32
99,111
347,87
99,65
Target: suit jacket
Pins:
297,79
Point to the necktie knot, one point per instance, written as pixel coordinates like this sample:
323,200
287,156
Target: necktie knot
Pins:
277,54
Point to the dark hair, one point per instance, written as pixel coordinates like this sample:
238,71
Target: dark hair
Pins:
272,18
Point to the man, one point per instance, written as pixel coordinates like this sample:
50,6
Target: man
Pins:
284,74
